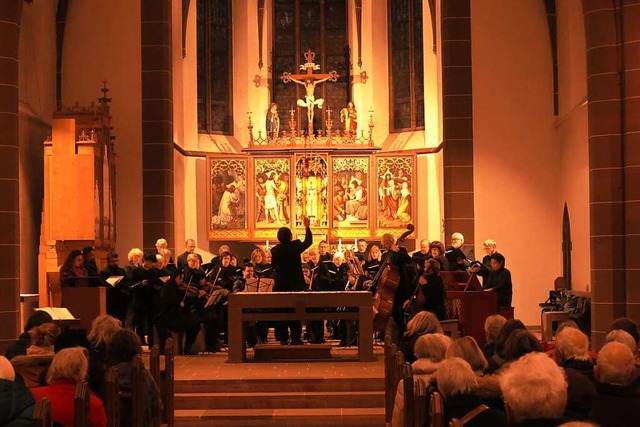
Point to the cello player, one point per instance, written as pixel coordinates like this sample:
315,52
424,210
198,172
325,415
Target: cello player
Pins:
402,261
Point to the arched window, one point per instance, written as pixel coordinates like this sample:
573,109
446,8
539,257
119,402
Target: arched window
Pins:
215,94
406,65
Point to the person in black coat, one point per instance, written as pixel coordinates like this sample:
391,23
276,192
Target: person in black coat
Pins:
402,261
285,260
500,281
433,289
16,402
118,295
175,316
190,247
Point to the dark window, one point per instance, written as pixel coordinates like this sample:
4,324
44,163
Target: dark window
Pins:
319,25
214,66
406,65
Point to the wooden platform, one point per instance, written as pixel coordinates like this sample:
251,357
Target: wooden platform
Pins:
307,352
211,392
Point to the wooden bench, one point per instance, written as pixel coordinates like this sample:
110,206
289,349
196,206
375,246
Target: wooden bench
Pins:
111,398
42,413
299,306
166,384
81,405
436,410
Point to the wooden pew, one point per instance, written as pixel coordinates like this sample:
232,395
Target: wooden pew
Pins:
422,405
137,402
81,405
166,389
436,410
409,392
111,398
154,364
390,351
42,413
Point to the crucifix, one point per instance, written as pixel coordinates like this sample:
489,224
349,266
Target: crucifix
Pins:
309,81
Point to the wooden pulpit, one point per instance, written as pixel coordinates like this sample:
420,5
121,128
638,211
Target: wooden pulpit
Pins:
469,303
85,303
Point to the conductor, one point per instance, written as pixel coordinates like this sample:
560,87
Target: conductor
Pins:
285,260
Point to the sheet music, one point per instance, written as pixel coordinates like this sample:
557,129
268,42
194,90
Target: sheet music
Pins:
57,313
114,280
266,285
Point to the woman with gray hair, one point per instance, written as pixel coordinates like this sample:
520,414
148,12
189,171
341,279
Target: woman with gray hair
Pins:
458,385
69,367
430,350
424,322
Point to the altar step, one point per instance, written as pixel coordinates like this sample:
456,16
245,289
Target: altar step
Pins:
276,401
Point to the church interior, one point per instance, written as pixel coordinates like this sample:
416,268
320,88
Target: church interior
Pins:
217,122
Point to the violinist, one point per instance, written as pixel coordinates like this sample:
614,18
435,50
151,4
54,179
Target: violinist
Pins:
433,288
320,281
372,264
400,259
228,274
174,314
258,259
362,250
338,273
255,332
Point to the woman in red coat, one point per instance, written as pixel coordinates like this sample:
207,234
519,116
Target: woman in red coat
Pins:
69,367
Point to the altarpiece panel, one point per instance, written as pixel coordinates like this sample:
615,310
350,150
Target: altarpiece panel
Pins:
272,195
395,176
350,207
227,197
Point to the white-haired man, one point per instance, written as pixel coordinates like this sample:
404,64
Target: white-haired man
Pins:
534,391
459,386
572,354
455,254
421,255
616,403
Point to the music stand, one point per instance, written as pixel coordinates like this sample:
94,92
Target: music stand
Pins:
461,280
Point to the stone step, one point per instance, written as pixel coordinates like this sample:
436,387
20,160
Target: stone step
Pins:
309,417
280,400
248,385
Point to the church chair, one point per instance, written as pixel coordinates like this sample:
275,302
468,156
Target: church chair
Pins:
167,380
42,413
111,398
436,410
81,405
409,395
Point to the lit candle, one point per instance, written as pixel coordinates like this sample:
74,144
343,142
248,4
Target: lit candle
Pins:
340,244
355,243
266,246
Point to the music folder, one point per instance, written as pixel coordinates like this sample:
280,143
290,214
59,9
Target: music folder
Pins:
114,280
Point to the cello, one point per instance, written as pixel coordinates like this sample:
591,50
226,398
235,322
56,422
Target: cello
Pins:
386,282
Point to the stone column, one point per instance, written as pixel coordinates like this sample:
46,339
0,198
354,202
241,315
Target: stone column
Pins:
10,17
157,123
457,109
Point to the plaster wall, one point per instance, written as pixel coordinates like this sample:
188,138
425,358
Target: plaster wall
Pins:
516,160
102,42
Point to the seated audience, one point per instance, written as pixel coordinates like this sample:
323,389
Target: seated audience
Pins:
69,368
458,385
102,330
627,325
124,345
519,343
19,348
615,403
534,390
422,323
32,367
497,360
492,327
572,354
623,337
429,351
16,402
70,338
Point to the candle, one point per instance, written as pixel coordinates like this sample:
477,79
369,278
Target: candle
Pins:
355,243
340,244
266,246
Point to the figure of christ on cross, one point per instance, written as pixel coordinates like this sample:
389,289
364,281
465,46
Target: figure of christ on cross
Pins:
309,81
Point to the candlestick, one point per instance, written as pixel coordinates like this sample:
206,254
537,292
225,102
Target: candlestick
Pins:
266,246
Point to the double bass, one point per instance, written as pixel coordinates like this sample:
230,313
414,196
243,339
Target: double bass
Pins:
386,282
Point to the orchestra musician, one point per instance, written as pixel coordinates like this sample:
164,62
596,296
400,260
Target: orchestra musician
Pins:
362,250
422,255
288,274
175,315
323,249
190,248
402,261
437,252
320,281
372,264
258,259
458,260
433,288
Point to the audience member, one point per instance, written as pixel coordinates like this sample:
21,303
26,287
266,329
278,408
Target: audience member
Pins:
70,338
572,353
33,366
19,348
16,402
519,343
69,367
534,390
102,330
623,337
124,345
458,385
429,351
492,327
424,322
627,325
615,404
497,360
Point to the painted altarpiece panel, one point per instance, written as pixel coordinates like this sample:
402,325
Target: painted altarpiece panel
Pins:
395,207
311,195
350,196
227,197
272,184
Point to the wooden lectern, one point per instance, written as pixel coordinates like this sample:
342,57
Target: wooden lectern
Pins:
469,302
85,303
